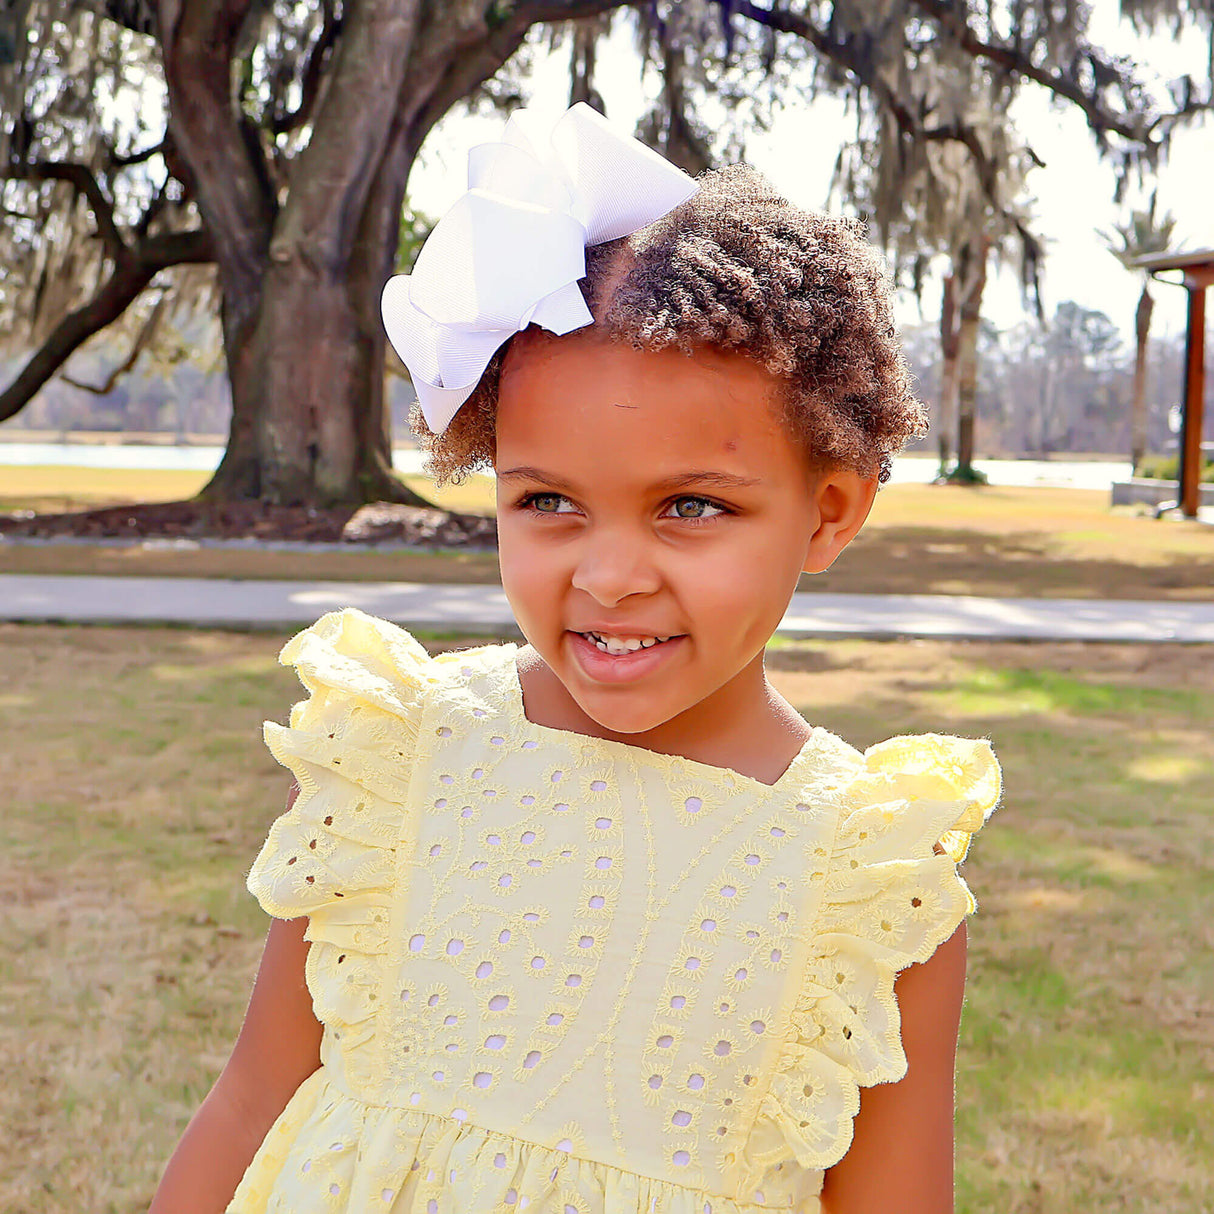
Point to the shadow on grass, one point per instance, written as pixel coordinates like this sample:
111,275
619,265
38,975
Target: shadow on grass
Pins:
939,560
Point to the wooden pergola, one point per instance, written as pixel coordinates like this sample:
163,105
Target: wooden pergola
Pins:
1198,271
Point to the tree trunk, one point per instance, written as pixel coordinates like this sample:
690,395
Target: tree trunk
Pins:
1049,398
582,61
302,278
308,421
310,424
946,405
1138,406
967,361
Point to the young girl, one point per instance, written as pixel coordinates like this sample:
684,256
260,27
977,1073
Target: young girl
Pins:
600,924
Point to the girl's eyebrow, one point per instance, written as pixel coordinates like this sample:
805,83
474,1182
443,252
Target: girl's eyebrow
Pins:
527,473
708,479
683,480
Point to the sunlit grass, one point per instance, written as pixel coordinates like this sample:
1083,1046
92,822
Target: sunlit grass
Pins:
1087,1055
138,792
1051,691
52,488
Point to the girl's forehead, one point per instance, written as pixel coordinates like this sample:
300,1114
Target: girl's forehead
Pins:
567,388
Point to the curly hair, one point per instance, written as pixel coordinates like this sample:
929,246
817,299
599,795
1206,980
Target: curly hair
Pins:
740,268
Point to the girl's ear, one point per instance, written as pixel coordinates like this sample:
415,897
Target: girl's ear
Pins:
842,499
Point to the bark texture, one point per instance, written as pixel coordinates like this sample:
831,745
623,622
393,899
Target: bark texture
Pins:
302,270
967,357
1138,403
946,405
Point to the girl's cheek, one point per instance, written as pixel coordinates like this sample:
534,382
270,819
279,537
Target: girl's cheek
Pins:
527,568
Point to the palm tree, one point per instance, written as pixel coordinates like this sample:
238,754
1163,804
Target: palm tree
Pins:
1141,235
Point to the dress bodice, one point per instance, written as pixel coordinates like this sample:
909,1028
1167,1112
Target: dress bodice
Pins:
574,960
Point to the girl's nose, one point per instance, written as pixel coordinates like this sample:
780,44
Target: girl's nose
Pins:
611,567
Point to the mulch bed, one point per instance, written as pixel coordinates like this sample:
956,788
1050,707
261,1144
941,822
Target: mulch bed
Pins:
379,523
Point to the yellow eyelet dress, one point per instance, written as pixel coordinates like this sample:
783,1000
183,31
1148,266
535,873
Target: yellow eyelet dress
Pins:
564,975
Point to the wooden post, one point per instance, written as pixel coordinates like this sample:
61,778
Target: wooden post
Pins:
1194,400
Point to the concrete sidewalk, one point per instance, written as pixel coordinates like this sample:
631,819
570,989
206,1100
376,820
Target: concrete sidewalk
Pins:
210,602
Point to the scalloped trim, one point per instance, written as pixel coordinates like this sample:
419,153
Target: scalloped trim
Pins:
891,901
331,856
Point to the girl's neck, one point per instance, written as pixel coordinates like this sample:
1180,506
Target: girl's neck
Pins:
746,725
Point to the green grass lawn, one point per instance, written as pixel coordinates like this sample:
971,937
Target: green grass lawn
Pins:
926,539
138,792
62,487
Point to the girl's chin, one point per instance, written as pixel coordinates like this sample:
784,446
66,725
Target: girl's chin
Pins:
631,727
627,712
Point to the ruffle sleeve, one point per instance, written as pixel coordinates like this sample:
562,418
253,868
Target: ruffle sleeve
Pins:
331,856
891,897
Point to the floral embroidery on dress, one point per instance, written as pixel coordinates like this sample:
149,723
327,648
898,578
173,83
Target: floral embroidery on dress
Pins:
560,973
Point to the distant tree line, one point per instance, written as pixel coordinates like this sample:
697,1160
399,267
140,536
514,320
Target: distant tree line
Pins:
1063,387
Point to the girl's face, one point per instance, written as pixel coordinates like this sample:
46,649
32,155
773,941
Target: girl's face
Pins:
654,514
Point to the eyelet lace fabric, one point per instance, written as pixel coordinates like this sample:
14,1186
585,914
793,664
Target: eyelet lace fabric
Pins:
566,975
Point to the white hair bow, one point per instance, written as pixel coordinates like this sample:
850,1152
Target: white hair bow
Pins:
510,251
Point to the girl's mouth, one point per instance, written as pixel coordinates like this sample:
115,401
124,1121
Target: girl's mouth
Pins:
606,658
607,643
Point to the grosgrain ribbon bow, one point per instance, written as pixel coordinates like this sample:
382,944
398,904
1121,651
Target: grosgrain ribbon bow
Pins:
510,251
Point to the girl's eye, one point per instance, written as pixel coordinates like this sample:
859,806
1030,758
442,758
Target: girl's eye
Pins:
548,503
694,507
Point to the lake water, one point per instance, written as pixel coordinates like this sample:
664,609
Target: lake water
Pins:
910,469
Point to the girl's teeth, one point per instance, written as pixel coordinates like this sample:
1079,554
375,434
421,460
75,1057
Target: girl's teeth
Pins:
618,645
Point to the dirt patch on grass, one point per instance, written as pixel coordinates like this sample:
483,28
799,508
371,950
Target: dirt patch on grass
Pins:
382,522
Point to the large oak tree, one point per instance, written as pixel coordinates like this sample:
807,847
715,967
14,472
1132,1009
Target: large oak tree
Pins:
290,127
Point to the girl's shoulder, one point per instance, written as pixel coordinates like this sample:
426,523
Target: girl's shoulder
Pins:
890,894
351,746
908,788
351,656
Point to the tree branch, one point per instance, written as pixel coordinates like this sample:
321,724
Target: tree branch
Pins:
137,348
842,50
116,294
81,178
122,162
527,14
139,16
332,175
486,50
847,52
198,39
152,212
313,75
190,248
1014,60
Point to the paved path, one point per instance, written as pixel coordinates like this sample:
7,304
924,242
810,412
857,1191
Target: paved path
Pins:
471,609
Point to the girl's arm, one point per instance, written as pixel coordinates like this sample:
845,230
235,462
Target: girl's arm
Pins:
901,1157
277,1049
